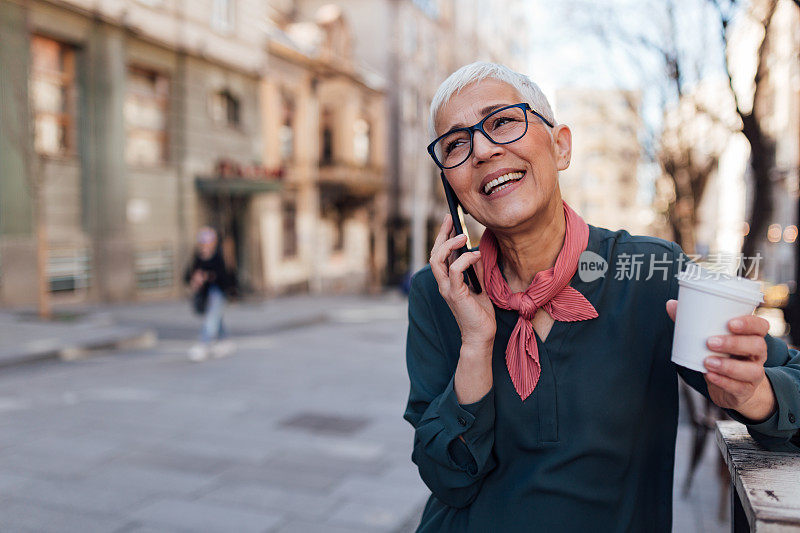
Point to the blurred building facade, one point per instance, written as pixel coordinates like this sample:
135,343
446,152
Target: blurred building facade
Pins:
325,123
414,45
296,127
153,118
404,42
601,182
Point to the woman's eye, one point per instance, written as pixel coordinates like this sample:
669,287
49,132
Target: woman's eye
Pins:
502,121
452,145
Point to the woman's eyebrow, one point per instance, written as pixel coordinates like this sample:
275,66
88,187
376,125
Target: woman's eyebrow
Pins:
485,111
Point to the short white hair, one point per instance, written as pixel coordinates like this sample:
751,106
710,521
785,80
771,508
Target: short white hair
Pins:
481,70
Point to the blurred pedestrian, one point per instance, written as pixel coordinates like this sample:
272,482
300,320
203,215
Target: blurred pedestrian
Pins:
210,281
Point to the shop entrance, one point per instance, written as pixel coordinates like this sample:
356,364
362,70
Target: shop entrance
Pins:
226,205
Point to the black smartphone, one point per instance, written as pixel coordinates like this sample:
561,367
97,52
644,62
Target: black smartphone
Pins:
457,213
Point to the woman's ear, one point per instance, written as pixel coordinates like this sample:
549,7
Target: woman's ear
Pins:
562,137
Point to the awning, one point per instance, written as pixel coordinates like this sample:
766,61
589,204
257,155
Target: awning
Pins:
236,186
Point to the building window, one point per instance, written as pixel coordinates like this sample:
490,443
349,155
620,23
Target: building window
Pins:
68,270
326,138
287,128
225,109
361,141
53,96
146,108
154,268
222,15
289,214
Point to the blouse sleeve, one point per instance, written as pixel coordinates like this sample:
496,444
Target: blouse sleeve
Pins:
452,468
782,367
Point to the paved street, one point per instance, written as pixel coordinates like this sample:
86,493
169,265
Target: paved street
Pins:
300,431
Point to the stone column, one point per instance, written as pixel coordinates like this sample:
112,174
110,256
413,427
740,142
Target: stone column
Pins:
105,173
17,238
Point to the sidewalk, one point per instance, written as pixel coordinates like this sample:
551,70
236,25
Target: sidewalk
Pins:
174,320
154,438
26,339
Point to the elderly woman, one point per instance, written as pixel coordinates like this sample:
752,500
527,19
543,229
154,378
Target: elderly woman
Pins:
548,402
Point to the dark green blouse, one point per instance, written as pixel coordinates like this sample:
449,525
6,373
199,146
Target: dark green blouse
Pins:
593,447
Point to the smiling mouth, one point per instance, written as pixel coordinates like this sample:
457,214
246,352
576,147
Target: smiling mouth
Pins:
502,182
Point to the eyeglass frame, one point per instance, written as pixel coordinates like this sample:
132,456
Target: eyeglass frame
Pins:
479,127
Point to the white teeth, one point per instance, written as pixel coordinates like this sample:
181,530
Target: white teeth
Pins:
502,179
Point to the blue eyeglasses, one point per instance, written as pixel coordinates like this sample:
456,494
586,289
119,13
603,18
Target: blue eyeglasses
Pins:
503,126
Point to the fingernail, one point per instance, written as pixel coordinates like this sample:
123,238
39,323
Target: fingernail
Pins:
712,362
461,237
714,342
736,323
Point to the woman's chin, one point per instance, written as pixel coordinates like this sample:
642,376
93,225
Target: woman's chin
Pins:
516,213
506,222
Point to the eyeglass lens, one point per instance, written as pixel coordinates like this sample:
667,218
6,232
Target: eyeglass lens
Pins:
502,127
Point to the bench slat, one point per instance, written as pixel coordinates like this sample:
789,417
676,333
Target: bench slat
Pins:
768,483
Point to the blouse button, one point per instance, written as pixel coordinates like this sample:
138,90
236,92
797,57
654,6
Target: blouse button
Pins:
791,418
463,421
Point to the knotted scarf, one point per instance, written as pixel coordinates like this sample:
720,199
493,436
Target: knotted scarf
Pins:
549,290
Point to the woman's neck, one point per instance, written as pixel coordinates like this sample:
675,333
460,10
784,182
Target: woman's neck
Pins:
527,250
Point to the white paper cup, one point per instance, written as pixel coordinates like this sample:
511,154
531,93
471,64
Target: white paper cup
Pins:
706,302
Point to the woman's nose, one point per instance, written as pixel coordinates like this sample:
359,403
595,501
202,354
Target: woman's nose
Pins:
482,147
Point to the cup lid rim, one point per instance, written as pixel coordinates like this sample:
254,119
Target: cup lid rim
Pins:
734,286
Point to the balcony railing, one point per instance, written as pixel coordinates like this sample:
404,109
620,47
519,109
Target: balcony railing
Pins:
358,179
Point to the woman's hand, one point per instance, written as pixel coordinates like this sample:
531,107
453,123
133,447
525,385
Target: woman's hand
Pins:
473,312
739,382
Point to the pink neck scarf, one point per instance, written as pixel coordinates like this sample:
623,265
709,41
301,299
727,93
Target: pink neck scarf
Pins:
549,290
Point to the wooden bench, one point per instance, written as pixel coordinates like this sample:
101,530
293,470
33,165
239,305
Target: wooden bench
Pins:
765,486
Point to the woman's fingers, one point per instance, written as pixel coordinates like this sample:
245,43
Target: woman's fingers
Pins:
749,345
439,271
747,371
731,386
454,254
439,260
672,308
749,325
460,265
444,231
445,252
